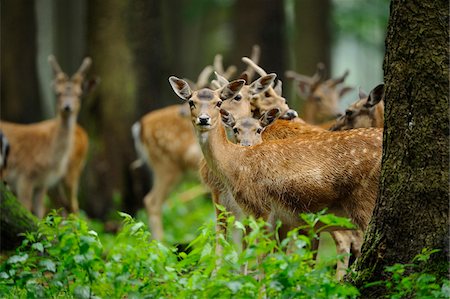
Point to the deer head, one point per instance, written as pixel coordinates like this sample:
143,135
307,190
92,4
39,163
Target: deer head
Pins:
272,96
247,131
69,90
322,96
204,117
366,112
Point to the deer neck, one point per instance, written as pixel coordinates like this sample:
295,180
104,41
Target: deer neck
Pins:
217,149
378,121
63,136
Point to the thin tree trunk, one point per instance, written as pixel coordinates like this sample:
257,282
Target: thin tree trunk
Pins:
412,209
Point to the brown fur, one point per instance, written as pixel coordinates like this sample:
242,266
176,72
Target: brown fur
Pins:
40,152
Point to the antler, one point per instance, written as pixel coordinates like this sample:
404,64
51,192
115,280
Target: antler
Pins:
202,80
319,75
218,67
79,75
256,54
340,79
55,65
256,67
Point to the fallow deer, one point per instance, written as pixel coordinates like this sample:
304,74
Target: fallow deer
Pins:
165,141
321,96
40,152
281,178
346,240
367,112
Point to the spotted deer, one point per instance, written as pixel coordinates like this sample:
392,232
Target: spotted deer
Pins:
346,240
279,179
367,112
321,96
165,141
40,152
251,131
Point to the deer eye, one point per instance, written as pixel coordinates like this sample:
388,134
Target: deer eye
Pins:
317,98
238,97
259,130
348,113
235,130
267,94
219,103
191,104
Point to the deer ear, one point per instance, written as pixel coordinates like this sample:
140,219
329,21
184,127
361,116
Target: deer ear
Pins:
89,85
231,89
227,118
269,117
375,96
278,87
362,94
344,91
262,84
180,87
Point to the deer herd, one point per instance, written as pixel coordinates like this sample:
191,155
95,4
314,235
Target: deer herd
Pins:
253,152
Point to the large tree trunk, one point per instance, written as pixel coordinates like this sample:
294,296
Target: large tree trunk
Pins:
19,85
14,220
412,209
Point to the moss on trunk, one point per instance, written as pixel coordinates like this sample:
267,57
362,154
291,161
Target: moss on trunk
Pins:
14,220
412,208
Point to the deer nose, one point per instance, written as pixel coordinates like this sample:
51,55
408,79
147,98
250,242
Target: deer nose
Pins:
290,114
245,142
203,119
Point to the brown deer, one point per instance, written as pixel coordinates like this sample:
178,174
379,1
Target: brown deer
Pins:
279,179
321,96
345,240
165,141
40,152
251,131
67,195
367,112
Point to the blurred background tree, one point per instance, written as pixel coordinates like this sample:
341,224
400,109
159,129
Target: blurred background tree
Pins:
137,44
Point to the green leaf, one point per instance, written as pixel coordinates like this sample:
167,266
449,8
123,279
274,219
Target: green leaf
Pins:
18,259
49,265
38,246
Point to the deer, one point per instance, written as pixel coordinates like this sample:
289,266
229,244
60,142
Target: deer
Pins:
367,112
40,152
165,141
321,96
67,188
346,240
280,178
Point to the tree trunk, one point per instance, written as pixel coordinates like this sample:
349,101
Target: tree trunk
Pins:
14,220
20,101
259,22
412,208
109,113
308,41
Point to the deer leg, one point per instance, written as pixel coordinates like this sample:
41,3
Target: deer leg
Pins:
162,184
71,191
342,238
25,193
38,201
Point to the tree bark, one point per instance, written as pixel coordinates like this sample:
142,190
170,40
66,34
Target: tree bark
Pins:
109,113
412,208
14,220
19,85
